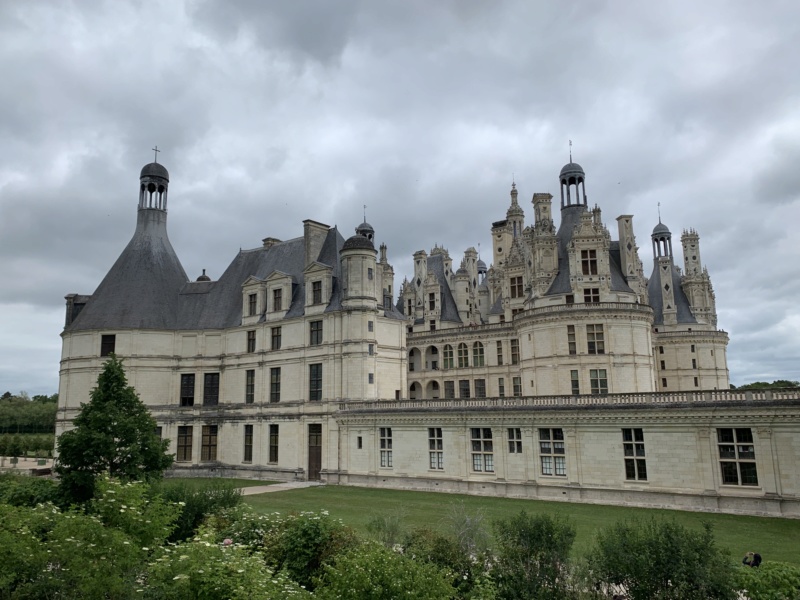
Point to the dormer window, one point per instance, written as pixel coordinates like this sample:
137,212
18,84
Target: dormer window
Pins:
316,292
589,262
277,299
252,304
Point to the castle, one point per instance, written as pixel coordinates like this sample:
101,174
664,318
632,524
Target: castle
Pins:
559,372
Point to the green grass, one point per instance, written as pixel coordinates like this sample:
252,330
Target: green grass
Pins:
201,482
775,539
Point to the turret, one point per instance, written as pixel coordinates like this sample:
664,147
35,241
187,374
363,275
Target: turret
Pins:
359,285
662,256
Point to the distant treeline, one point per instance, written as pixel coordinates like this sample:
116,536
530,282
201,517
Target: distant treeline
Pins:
39,445
22,414
763,385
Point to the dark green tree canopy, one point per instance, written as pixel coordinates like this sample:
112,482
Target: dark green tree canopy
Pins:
763,385
113,433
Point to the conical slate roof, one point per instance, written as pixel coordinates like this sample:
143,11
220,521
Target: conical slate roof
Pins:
141,289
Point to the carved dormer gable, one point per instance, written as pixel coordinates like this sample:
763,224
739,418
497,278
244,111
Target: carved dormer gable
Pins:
280,287
589,262
253,298
318,279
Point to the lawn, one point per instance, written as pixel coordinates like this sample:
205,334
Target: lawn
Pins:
775,539
202,482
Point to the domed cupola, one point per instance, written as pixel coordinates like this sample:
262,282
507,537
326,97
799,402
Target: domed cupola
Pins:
365,230
662,241
153,186
573,185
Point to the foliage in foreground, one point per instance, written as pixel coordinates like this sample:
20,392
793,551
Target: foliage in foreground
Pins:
114,433
196,503
662,559
770,581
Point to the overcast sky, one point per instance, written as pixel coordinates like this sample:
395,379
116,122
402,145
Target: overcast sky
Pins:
268,113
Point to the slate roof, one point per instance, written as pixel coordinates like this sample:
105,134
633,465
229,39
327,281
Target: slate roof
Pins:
147,287
570,218
449,309
655,300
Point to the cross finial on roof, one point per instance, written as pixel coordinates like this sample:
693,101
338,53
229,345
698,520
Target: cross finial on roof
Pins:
659,212
156,150
570,151
365,213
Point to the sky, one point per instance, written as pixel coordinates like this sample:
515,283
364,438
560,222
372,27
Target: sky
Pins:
269,113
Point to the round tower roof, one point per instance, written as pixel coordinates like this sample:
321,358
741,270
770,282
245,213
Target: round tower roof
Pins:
154,170
358,242
481,265
660,229
572,169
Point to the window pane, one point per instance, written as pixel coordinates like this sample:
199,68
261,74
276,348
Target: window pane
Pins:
749,476
630,469
730,474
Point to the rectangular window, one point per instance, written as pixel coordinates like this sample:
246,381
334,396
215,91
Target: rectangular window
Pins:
159,431
591,295
251,341
211,389
316,292
589,262
552,452
661,349
386,447
316,333
370,273
432,325
499,353
371,349
248,444
482,449
595,339
449,389
463,356
576,384
184,443
275,337
663,365
598,381
370,325
275,384
252,304
515,440
435,448
663,382
448,357
633,449
463,388
371,378
277,299
516,287
315,382
501,387
478,359
273,443
107,344
249,386
208,447
359,443
737,456
480,388
696,382
692,347
514,352
431,301
569,299
517,383
694,363
187,389
410,308
571,343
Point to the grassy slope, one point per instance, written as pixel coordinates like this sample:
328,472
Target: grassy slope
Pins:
201,482
775,539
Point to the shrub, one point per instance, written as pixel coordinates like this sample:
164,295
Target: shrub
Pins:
203,569
531,556
375,572
662,559
197,504
21,490
387,528
770,581
469,529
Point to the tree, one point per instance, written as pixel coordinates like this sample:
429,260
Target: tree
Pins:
114,433
662,559
531,556
775,385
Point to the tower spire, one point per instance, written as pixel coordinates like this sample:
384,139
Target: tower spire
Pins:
570,151
156,150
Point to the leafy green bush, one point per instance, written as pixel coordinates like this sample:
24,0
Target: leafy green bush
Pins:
375,572
662,559
21,490
770,581
196,504
531,556
387,528
468,576
201,568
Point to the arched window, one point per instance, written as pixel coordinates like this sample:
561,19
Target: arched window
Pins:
463,356
448,357
477,354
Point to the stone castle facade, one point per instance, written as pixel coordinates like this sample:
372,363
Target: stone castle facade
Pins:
558,372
